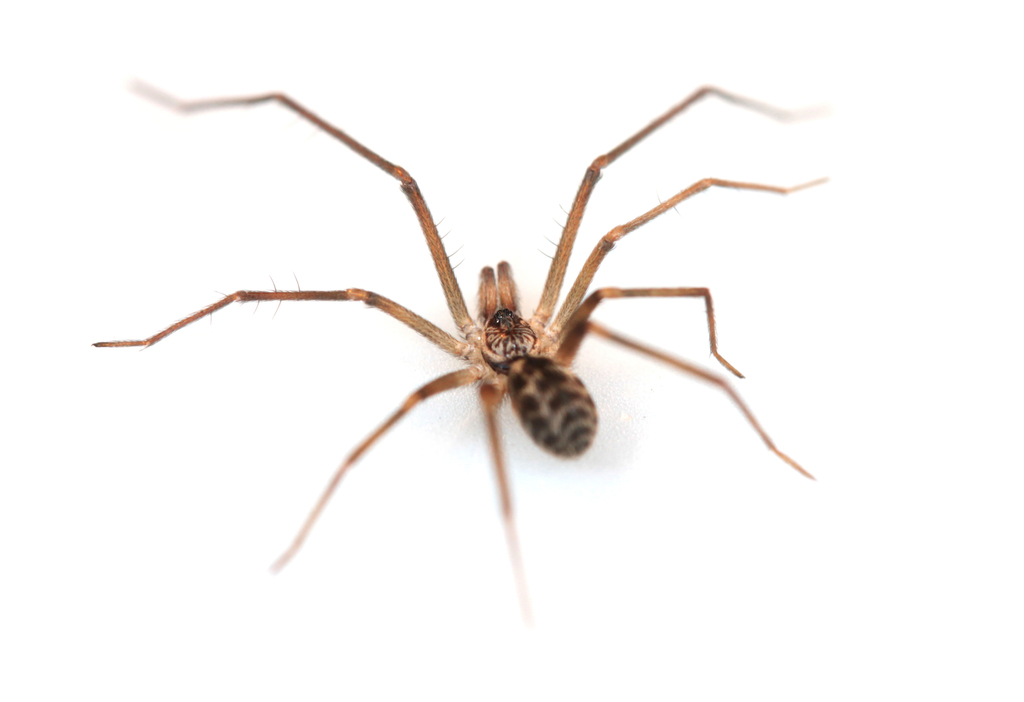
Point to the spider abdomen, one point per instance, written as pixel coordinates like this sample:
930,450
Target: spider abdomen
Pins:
553,405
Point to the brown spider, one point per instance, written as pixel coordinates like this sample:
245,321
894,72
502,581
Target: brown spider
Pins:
527,359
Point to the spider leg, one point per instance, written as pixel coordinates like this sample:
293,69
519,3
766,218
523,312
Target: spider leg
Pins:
452,292
491,397
556,273
704,375
607,243
434,334
449,381
577,327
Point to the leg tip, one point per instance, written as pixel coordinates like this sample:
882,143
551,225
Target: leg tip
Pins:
795,465
732,369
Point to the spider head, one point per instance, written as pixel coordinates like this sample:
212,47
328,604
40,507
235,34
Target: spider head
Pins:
504,319
508,337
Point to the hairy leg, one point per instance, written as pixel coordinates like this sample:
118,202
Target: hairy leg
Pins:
449,381
556,273
569,342
491,397
435,335
452,292
607,243
595,328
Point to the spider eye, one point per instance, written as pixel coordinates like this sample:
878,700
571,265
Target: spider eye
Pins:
553,406
503,319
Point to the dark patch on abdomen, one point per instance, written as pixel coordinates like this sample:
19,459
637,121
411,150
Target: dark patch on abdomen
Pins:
552,404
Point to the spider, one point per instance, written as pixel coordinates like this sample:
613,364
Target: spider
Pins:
527,359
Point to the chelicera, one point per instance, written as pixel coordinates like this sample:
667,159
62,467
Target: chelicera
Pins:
528,359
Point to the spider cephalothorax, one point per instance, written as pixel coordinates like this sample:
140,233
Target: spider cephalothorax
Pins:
528,360
507,336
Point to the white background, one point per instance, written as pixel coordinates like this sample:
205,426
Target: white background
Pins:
143,494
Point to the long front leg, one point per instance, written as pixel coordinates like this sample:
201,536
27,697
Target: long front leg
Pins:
573,334
436,335
491,397
556,273
607,243
682,365
452,292
449,381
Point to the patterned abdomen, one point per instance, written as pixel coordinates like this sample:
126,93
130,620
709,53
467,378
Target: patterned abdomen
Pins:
552,404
